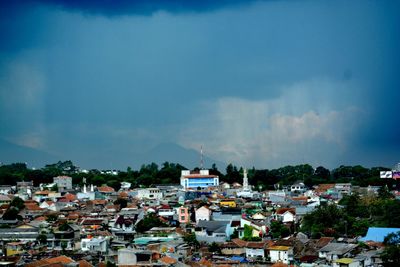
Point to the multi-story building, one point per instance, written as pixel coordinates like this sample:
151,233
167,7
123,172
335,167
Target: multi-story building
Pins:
203,179
183,215
63,183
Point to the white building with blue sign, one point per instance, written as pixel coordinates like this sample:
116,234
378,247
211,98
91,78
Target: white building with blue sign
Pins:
203,179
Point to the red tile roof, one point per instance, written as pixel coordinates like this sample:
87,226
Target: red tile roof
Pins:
168,260
105,189
281,211
56,261
191,176
83,263
70,197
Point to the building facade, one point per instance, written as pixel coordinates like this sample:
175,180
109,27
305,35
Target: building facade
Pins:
201,180
63,182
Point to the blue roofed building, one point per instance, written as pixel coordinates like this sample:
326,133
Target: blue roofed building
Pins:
377,234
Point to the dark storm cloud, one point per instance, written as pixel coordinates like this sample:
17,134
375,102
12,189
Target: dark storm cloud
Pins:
26,30
79,75
128,7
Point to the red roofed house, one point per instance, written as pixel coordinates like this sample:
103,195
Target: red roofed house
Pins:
105,190
285,215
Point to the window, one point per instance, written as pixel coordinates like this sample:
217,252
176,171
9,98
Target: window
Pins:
183,218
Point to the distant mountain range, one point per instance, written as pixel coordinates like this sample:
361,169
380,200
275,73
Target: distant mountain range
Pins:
121,159
175,153
13,153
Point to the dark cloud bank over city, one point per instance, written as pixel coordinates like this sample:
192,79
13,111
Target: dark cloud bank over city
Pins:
263,83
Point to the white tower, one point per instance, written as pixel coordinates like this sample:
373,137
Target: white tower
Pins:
245,181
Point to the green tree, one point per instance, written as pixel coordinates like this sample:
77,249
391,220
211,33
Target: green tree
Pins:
325,220
235,234
110,264
18,203
279,230
391,253
248,231
42,239
384,193
148,222
122,202
191,240
214,248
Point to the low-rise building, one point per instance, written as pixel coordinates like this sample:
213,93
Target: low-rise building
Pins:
203,214
281,254
149,193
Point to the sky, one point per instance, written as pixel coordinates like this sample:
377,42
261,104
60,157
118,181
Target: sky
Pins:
255,83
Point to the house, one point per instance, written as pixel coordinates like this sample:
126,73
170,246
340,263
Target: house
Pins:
168,261
285,215
56,261
227,214
298,188
50,205
281,254
183,215
228,202
258,216
40,196
202,214
278,196
334,251
63,183
133,257
212,231
24,189
348,262
99,244
371,257
6,189
252,250
68,235
256,250
232,248
14,248
166,211
259,228
105,190
149,193
31,209
343,188
23,233
4,199
125,185
323,188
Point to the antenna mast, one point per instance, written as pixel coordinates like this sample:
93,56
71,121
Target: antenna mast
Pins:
201,158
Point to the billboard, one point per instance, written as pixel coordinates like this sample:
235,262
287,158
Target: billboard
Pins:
386,174
396,175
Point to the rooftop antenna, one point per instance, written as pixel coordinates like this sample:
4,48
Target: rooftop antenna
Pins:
201,158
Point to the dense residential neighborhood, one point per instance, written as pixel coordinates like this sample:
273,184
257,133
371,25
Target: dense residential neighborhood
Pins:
201,221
